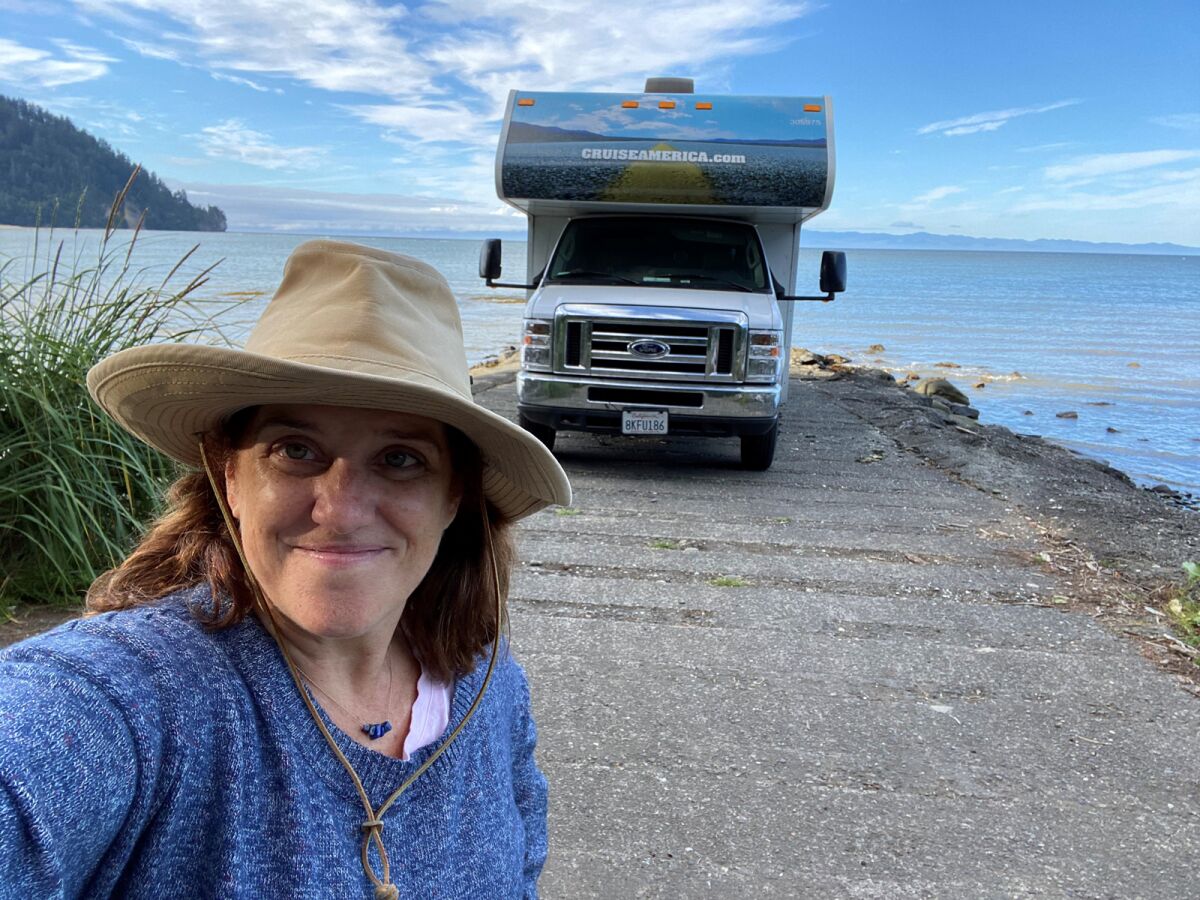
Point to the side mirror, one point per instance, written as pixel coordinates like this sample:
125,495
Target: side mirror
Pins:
833,278
833,271
489,266
489,260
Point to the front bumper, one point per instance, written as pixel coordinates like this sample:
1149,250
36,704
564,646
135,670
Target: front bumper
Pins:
592,404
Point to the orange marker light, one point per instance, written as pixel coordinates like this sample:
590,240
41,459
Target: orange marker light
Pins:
666,104
812,107
629,104
703,105
525,101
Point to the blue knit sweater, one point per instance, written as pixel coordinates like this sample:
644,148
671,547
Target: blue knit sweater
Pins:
143,756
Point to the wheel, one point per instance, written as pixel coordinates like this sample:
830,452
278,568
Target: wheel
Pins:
758,450
543,433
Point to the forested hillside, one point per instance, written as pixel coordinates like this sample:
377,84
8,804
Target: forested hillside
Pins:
45,160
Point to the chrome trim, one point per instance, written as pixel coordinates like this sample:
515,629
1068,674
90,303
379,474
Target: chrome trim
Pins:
559,392
603,322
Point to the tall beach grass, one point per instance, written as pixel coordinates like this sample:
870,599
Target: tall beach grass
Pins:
76,490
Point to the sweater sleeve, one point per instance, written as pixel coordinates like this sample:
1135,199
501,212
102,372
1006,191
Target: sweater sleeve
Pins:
75,771
529,785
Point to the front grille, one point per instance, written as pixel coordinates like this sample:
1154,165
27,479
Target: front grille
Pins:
694,351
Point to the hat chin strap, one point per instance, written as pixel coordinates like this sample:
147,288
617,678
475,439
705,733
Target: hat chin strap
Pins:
372,827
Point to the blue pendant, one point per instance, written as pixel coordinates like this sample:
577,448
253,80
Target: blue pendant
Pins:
376,731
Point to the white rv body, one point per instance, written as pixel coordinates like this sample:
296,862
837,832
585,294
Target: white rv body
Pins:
688,210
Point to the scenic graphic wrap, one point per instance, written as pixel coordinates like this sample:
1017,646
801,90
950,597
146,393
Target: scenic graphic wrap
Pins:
723,151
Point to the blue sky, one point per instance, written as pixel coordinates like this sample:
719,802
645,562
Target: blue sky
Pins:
1054,119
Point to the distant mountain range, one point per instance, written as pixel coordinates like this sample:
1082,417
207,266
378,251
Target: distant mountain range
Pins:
844,240
923,240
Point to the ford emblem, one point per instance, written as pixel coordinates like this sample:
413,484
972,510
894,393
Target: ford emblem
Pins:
648,349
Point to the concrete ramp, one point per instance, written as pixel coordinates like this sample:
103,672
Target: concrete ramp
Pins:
843,677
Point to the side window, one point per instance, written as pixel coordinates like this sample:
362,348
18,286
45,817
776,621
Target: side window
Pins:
755,261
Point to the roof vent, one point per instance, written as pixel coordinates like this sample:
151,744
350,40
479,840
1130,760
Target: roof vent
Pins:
670,85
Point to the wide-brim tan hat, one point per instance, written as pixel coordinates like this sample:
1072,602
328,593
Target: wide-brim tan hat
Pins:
349,326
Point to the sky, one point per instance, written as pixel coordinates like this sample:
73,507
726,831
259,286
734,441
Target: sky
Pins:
1058,119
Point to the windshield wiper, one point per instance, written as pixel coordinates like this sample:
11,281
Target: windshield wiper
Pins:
697,276
584,273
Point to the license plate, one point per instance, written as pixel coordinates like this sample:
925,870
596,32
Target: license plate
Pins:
643,421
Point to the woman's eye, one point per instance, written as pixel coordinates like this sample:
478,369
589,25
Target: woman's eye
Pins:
296,451
398,459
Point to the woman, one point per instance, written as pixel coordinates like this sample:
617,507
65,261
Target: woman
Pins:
280,693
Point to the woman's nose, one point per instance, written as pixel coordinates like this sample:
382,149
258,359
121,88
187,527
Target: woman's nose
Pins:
344,499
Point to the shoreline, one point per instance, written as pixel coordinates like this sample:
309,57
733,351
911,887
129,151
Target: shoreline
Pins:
808,364
959,412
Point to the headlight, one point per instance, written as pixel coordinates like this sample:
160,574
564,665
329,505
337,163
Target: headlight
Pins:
535,345
765,355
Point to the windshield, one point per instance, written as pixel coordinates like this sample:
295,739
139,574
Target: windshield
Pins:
660,252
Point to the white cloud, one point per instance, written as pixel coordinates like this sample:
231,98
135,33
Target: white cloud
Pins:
245,82
1111,163
557,46
1046,148
1176,189
335,45
82,53
424,57
33,68
988,121
152,51
449,122
938,193
256,207
231,139
1182,121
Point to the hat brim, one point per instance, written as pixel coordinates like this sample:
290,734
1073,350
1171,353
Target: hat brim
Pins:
169,394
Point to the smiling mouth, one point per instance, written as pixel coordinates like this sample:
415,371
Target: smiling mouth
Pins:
340,556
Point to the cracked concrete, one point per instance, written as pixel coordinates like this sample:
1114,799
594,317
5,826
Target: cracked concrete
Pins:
894,704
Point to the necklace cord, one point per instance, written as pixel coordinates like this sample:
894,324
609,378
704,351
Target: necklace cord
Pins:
373,825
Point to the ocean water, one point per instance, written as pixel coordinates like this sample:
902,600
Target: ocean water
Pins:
1112,338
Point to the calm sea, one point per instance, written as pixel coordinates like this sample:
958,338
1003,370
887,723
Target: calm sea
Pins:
1112,338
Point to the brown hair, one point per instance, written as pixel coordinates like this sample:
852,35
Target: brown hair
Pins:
449,619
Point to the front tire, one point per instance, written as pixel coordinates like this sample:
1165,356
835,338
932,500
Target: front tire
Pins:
758,450
543,433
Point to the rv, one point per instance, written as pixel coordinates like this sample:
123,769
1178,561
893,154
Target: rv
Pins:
663,238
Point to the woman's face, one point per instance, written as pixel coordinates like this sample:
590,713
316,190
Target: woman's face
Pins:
341,512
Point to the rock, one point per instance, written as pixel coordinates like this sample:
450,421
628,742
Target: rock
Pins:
1112,430
1016,375
835,359
912,376
1098,403
961,409
947,365
802,357
940,387
1134,365
1069,414
981,385
954,409
1028,412
875,348
964,423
